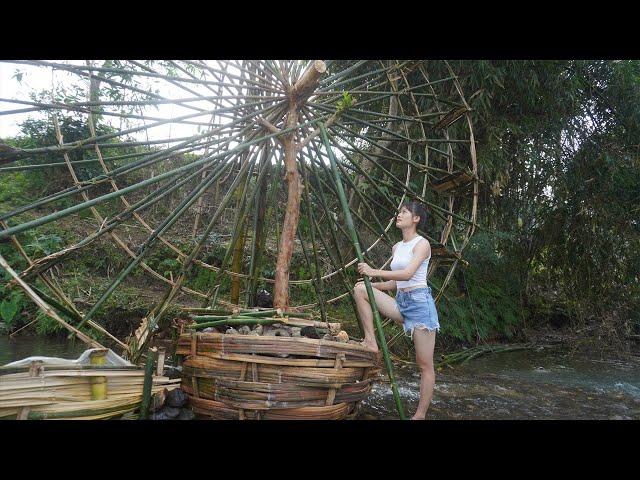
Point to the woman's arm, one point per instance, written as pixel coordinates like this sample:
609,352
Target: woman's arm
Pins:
389,285
420,253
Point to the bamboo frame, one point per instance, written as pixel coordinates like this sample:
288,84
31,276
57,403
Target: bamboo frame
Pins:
243,99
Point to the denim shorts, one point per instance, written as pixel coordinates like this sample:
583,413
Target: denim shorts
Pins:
418,310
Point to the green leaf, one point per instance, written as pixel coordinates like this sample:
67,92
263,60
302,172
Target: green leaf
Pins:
8,309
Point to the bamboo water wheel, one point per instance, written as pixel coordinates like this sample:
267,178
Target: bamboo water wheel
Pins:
250,166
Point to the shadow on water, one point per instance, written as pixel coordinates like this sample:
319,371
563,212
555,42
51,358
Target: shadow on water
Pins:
543,384
520,385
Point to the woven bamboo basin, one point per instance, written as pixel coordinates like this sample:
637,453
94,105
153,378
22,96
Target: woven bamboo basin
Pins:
246,377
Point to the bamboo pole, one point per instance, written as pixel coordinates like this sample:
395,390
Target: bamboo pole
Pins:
372,300
238,229
145,161
46,308
65,212
336,265
312,230
148,380
257,242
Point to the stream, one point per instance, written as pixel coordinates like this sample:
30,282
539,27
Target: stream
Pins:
528,384
521,385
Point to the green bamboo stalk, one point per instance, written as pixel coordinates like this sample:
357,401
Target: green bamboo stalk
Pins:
320,285
372,300
337,265
359,170
257,242
356,168
236,246
253,314
148,102
239,223
148,382
236,321
91,183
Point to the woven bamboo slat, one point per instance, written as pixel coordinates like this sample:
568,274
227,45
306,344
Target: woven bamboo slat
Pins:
268,345
65,392
246,377
219,411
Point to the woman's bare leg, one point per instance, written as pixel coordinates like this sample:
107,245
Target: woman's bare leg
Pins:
424,342
386,306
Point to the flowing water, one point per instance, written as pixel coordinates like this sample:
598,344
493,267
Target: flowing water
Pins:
543,384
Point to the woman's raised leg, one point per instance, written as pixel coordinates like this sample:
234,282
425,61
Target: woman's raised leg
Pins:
386,306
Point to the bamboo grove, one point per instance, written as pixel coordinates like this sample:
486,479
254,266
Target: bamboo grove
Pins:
306,158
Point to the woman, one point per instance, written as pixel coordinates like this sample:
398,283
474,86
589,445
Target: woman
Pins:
413,306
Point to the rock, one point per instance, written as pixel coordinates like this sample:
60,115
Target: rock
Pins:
326,336
171,412
158,399
295,331
172,372
334,328
264,299
268,330
281,332
186,414
209,330
309,332
342,337
177,398
244,330
258,330
231,331
161,415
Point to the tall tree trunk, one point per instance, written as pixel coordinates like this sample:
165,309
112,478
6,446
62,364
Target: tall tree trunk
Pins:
297,96
291,217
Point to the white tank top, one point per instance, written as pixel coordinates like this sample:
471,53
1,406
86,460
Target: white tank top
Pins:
402,257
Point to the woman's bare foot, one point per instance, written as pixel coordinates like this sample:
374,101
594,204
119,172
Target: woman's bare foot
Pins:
418,417
370,346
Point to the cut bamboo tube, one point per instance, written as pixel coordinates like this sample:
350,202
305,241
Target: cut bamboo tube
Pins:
98,384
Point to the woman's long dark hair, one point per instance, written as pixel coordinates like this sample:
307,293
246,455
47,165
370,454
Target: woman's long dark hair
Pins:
418,210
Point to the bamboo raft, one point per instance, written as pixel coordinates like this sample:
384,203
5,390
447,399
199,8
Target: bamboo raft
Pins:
78,392
231,377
